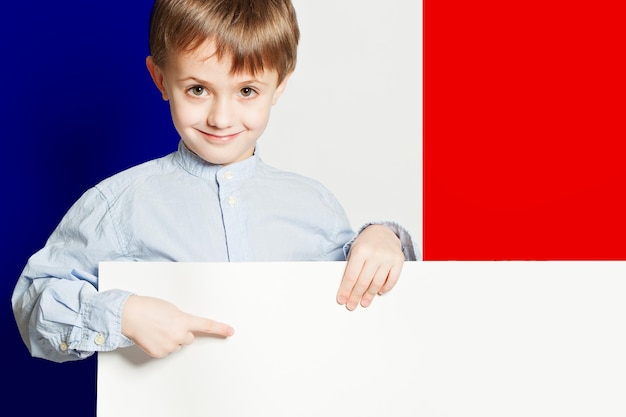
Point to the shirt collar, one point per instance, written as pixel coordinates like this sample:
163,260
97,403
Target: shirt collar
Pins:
198,167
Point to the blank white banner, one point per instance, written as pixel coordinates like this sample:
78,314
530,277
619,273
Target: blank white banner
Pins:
452,339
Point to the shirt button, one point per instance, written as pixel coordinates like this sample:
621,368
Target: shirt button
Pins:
228,175
232,201
63,346
99,340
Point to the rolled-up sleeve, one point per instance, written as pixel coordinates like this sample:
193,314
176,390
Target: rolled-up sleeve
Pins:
60,314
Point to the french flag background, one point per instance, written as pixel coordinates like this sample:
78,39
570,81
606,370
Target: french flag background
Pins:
524,130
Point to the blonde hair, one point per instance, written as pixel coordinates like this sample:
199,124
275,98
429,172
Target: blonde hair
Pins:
258,35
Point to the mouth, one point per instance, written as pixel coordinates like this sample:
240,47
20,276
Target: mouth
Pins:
214,138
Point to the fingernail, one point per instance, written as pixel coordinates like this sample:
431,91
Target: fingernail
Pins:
366,303
351,305
342,299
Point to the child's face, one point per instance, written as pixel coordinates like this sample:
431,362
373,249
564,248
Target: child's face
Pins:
219,116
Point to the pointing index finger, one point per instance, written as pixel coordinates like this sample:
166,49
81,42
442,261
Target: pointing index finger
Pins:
210,327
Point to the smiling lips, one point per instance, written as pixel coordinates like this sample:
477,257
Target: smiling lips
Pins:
219,138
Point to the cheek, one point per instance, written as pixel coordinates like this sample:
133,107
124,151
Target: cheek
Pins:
258,117
184,113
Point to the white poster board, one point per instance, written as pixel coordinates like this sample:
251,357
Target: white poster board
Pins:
452,339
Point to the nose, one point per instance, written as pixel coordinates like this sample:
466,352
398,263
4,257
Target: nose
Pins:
221,113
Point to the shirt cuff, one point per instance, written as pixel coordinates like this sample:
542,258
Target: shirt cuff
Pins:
102,322
409,248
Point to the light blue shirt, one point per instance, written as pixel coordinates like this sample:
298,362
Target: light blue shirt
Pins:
177,208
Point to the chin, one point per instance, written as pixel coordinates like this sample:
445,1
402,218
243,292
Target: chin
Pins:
219,159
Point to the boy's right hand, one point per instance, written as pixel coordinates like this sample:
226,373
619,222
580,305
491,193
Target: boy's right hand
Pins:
159,328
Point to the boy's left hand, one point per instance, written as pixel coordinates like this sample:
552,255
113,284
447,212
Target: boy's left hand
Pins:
373,266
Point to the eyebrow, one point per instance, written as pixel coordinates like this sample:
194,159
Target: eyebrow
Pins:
204,82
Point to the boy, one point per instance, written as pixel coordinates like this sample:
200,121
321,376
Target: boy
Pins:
222,65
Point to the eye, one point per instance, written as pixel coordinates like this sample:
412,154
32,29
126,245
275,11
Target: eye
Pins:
197,91
247,92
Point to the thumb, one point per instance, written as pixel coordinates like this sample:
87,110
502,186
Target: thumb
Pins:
208,326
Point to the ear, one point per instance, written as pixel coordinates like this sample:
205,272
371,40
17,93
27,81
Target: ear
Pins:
157,77
280,89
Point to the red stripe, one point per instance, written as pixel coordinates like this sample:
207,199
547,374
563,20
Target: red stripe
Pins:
524,130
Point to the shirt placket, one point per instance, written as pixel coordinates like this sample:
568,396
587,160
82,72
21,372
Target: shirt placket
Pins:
232,205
